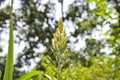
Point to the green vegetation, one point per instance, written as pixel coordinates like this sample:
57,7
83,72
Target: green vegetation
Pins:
9,62
60,60
59,48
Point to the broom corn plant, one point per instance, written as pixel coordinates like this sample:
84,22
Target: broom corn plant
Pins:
60,51
59,48
9,61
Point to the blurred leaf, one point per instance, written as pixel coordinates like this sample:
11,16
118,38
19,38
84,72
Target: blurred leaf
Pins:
0,73
112,38
99,12
106,33
1,49
48,76
29,75
9,61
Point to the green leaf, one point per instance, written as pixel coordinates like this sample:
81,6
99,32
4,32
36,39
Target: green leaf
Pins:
103,4
29,75
0,73
112,37
48,76
90,0
1,49
9,62
106,33
100,12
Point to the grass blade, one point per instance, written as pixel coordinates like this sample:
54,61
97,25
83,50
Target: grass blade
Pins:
29,75
9,62
48,76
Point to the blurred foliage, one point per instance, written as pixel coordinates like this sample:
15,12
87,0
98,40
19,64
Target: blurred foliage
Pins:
102,68
0,74
1,1
38,23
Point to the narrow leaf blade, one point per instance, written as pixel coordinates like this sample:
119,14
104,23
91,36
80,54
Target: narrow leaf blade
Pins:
9,62
29,75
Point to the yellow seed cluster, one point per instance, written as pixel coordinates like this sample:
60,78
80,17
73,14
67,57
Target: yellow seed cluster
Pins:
60,38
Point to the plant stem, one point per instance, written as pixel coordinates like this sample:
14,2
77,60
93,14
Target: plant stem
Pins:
59,66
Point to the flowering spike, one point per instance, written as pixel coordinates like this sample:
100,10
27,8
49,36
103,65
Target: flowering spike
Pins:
59,48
